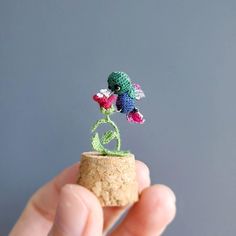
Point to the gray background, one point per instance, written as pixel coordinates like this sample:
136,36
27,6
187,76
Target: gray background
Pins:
54,55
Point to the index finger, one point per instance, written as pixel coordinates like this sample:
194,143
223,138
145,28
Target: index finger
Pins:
40,210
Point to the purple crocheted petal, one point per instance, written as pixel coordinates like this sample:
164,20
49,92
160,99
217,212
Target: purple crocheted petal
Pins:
137,86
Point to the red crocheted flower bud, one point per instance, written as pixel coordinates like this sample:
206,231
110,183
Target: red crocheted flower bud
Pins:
103,101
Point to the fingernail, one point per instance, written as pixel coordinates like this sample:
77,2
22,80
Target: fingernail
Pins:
72,213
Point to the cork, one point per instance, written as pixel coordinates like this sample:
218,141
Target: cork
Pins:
111,178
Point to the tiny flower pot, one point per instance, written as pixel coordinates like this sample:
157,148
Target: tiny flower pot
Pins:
111,178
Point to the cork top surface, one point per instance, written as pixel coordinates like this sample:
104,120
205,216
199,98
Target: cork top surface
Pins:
93,154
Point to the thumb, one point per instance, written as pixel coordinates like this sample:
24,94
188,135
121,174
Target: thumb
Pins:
78,213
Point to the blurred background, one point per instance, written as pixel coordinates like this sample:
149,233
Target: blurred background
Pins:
54,55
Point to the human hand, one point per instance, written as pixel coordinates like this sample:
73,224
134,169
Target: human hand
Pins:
62,208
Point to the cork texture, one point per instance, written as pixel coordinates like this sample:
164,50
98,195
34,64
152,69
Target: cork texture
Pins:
111,178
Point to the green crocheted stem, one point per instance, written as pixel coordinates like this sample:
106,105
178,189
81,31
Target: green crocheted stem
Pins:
98,144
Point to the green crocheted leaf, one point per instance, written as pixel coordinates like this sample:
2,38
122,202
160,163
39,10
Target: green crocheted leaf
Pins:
108,136
97,146
116,153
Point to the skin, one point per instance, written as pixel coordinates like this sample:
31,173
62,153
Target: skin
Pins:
62,208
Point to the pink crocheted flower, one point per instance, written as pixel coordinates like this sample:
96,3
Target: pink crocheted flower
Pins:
135,117
104,99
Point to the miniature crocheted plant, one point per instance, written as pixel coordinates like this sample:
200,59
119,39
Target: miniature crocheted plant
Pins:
123,93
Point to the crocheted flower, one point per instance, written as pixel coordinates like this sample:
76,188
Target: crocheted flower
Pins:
104,99
135,117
